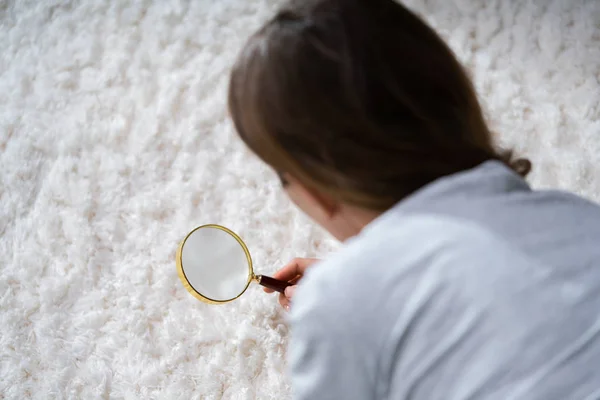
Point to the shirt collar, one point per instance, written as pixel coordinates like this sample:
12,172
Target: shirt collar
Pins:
488,179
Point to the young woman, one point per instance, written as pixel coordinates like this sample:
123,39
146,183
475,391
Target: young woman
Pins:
457,280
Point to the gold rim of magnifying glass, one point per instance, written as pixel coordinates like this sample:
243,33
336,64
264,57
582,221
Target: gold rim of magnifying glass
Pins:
187,284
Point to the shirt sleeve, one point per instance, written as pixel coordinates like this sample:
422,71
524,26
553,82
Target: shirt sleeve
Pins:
330,357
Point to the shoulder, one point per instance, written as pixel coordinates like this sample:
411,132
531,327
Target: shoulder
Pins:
387,263
418,277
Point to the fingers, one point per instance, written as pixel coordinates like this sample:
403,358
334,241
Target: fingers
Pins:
285,299
289,292
293,271
285,303
294,268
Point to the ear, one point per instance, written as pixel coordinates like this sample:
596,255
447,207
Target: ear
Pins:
313,198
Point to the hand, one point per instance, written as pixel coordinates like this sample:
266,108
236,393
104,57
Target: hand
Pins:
292,272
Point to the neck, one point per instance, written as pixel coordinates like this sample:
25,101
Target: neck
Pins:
356,219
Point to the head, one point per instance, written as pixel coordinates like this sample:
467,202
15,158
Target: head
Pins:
356,104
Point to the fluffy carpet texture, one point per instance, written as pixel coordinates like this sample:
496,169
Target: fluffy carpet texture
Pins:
115,141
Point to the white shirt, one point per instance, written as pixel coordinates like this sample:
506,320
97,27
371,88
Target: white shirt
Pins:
476,287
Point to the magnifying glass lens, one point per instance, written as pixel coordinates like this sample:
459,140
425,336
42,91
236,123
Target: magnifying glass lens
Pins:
215,264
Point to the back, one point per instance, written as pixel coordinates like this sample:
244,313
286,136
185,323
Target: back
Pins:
475,287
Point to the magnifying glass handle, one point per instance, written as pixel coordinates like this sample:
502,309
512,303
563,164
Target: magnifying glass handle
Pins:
272,283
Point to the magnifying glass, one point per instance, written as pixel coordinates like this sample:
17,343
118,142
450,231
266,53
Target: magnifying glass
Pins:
214,265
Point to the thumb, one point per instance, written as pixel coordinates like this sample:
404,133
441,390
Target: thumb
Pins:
289,291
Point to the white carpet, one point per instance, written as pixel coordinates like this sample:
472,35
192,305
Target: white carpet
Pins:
115,141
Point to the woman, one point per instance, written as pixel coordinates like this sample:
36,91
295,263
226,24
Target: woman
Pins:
456,280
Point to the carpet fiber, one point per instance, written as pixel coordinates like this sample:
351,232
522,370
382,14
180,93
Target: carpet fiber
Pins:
115,141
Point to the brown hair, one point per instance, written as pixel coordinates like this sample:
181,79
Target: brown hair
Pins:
359,99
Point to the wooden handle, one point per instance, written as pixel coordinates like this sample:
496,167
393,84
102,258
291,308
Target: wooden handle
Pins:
272,283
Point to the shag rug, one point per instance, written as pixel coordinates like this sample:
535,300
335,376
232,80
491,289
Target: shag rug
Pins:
115,142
